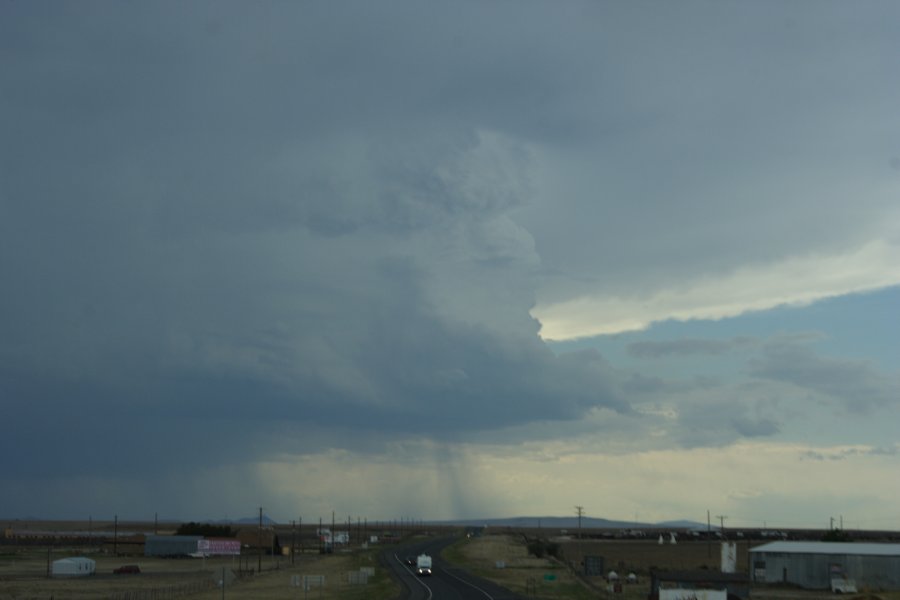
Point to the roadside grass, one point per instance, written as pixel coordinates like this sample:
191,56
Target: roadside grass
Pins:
335,568
504,560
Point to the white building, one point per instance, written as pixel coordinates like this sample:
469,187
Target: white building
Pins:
75,566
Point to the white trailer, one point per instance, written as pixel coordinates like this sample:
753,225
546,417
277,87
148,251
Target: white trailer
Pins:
423,565
76,566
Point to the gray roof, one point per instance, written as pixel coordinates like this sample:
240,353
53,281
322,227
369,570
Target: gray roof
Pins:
701,575
830,548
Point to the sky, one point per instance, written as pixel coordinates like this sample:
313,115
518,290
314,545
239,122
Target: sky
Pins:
451,260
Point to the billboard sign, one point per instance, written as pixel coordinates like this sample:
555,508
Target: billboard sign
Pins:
219,547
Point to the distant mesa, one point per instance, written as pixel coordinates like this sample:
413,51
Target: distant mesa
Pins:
572,523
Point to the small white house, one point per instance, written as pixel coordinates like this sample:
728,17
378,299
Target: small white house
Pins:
75,566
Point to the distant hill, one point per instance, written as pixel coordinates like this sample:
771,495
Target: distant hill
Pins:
568,522
687,525
571,523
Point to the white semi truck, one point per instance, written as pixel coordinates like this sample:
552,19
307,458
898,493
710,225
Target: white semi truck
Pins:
423,565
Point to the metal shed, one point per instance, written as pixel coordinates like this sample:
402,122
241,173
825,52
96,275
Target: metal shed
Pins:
735,585
75,566
813,565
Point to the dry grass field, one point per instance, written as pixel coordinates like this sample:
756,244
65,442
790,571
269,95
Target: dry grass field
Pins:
23,572
521,572
23,576
525,574
642,556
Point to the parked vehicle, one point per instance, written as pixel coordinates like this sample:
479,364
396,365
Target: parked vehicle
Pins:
127,570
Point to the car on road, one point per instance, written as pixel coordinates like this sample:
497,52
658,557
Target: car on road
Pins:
127,570
410,561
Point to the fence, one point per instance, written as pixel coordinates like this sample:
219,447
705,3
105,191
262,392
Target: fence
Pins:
167,592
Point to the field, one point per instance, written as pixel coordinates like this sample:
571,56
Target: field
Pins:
505,557
23,576
554,577
521,572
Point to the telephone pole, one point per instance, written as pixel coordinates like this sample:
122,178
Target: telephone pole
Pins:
580,511
259,543
721,519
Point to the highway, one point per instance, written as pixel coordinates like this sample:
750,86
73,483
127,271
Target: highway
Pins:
446,582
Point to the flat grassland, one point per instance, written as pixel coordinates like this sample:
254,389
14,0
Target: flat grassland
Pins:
23,576
502,557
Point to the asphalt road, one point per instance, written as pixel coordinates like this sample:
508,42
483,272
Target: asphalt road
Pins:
446,582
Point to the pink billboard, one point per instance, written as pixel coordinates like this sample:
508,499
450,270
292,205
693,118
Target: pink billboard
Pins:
219,547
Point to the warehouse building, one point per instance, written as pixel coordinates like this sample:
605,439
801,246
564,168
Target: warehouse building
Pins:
171,545
814,565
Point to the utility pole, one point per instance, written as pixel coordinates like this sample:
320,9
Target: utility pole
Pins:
580,511
708,536
721,519
259,543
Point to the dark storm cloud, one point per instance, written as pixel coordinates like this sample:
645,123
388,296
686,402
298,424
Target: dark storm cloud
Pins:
283,219
234,234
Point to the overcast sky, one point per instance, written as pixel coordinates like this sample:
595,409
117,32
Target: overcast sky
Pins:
451,259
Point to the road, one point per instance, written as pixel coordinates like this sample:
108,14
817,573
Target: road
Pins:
446,581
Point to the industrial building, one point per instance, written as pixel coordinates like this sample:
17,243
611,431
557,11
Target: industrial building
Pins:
171,545
813,565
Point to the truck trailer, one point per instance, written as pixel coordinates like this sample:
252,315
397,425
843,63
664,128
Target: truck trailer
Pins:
423,565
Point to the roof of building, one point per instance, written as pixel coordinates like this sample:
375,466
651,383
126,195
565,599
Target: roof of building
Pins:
701,575
75,559
869,549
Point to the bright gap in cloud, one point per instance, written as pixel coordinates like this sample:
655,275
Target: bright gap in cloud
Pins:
796,281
